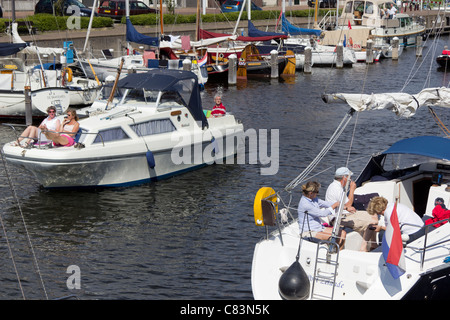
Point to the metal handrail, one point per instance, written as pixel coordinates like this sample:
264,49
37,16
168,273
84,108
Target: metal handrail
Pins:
425,247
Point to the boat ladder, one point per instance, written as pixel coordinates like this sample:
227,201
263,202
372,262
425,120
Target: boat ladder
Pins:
325,270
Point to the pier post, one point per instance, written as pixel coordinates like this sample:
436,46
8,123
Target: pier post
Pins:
308,60
339,56
274,64
28,107
369,52
395,44
187,64
419,46
232,68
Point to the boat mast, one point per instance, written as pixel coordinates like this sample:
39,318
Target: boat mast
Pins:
239,18
161,17
90,25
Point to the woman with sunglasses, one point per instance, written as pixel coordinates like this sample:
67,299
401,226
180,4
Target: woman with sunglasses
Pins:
68,130
32,133
311,209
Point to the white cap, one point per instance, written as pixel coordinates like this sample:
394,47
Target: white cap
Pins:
343,171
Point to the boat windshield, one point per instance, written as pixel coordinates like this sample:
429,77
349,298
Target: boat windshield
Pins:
402,161
150,96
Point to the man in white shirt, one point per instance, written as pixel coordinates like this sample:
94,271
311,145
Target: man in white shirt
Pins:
357,220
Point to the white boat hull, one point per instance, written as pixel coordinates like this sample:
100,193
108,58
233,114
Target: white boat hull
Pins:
12,104
360,275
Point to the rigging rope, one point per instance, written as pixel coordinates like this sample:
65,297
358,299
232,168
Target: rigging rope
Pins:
300,178
439,122
14,193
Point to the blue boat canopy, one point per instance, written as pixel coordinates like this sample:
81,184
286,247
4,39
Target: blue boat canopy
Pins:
184,83
288,28
430,146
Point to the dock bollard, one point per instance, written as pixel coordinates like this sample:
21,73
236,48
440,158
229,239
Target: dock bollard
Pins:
232,68
187,64
274,64
369,51
339,56
307,66
395,42
28,107
419,46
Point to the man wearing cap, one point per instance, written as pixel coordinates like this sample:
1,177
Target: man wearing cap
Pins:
355,219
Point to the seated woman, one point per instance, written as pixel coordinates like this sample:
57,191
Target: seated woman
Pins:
409,221
310,209
32,132
69,129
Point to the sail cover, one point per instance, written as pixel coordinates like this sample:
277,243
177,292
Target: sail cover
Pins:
254,32
402,104
136,37
203,34
429,146
7,49
288,28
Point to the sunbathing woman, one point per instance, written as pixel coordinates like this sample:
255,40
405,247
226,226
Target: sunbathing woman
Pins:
69,129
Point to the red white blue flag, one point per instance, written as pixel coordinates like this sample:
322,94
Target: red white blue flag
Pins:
203,60
392,246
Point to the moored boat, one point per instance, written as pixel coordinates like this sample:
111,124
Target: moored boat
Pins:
288,266
154,129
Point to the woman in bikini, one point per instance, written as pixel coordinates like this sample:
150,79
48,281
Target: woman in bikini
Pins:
69,129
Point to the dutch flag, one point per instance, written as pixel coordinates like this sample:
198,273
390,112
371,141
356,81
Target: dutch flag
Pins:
393,247
202,61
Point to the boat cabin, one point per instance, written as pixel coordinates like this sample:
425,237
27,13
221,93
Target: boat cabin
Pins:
370,13
409,172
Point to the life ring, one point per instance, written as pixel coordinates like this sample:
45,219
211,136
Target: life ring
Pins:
262,194
66,75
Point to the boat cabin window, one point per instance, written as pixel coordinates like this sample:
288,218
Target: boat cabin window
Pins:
358,6
153,127
109,135
369,7
348,7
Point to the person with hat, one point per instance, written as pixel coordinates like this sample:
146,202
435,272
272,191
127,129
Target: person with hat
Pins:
358,220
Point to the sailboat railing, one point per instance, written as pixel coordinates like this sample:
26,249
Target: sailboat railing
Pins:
423,250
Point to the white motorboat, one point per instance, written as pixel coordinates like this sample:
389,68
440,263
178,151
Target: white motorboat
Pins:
286,266
361,20
321,55
155,128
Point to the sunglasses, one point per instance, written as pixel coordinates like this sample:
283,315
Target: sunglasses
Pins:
52,112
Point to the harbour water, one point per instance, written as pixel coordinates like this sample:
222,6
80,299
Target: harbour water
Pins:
192,237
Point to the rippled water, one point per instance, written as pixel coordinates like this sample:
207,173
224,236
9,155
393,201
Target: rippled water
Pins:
192,236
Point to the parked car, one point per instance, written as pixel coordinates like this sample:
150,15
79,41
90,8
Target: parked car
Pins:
116,8
236,5
46,6
323,3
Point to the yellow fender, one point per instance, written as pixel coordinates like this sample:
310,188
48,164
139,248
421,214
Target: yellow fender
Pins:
262,194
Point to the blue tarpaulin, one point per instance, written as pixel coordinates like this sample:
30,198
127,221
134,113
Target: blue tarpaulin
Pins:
430,146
